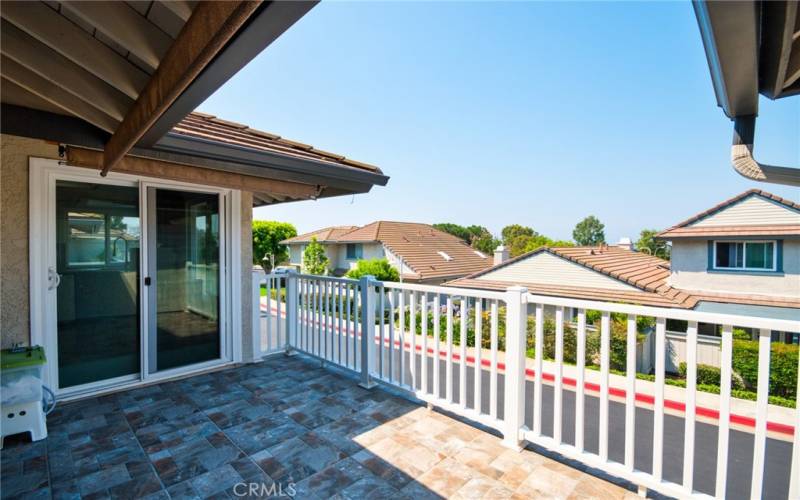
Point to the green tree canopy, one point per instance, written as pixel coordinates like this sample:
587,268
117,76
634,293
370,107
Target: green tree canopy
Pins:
513,231
478,237
267,236
648,244
589,232
379,268
314,259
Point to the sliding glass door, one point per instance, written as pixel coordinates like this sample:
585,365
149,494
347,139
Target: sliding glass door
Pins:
132,280
184,278
96,282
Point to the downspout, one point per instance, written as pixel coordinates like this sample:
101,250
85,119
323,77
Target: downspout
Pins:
744,128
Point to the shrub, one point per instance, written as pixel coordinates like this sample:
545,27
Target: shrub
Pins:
706,374
379,268
783,366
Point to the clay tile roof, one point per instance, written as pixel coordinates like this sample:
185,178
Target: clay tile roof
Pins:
209,127
647,273
418,245
327,234
683,229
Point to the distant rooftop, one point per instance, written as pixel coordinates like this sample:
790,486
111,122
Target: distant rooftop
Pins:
430,253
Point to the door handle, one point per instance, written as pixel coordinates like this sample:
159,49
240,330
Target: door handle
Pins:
53,278
147,281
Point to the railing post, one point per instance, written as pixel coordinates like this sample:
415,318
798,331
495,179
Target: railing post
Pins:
368,301
516,333
292,309
255,338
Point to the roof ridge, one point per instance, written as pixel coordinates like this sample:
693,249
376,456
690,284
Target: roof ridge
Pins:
730,201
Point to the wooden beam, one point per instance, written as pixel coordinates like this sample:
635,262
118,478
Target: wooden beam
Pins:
66,38
15,95
39,58
54,94
146,167
210,27
122,24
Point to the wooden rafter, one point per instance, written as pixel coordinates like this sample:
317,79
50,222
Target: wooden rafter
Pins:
126,27
39,58
52,93
148,167
72,42
210,27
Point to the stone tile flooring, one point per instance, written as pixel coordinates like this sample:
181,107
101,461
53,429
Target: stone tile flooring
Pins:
286,425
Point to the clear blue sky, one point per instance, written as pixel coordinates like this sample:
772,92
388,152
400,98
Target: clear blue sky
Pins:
499,113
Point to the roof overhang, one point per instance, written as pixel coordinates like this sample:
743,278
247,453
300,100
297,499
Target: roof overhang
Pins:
752,47
117,77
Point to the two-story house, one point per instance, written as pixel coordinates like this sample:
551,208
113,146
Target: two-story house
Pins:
419,252
739,257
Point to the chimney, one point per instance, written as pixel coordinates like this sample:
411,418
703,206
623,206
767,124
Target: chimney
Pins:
625,243
500,255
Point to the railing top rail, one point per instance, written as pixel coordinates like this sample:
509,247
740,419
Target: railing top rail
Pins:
333,279
670,313
446,290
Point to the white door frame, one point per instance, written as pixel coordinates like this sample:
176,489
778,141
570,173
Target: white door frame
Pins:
43,174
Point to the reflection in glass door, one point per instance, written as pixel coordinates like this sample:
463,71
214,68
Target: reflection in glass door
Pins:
97,299
184,240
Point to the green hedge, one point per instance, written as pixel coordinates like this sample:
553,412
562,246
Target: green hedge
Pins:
782,366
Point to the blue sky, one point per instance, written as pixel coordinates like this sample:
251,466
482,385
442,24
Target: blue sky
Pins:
497,113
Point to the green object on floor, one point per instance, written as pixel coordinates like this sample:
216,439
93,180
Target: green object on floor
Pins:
29,356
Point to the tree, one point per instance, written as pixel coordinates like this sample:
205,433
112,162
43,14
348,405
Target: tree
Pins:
648,244
314,259
267,236
379,268
485,243
454,229
514,231
478,237
589,232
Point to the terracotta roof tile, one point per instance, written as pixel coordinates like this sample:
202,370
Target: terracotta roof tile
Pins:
648,274
706,231
211,128
418,245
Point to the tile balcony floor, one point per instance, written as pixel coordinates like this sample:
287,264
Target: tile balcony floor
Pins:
285,422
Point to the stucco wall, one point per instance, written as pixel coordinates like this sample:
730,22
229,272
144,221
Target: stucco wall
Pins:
247,276
690,271
14,269
370,251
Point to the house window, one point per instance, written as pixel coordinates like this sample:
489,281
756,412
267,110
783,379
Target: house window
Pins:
745,255
355,251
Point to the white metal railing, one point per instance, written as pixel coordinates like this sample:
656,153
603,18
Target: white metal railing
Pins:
452,347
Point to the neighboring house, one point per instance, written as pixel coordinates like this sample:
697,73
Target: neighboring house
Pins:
144,272
740,257
419,252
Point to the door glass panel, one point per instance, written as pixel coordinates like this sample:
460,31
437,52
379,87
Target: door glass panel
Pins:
97,256
187,257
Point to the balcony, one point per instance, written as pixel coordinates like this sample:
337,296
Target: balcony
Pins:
473,354
286,423
372,389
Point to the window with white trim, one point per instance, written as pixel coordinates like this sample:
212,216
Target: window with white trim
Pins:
745,255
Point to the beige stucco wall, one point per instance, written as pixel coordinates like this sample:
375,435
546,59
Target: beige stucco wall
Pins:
690,272
14,269
247,276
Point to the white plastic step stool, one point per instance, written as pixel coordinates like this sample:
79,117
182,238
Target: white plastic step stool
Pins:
23,417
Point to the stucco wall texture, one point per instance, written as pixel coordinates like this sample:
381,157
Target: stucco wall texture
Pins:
14,272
